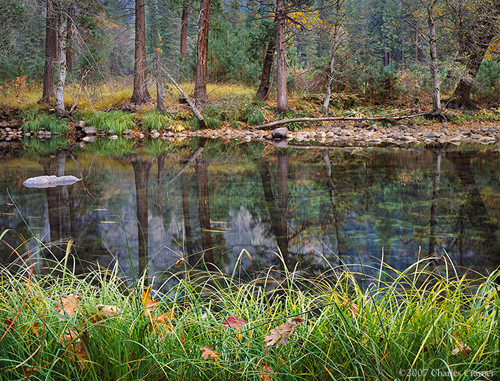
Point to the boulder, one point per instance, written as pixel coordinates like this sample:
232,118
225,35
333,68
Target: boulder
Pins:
280,133
89,130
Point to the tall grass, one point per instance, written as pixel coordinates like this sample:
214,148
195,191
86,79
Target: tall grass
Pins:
36,121
154,120
415,324
113,121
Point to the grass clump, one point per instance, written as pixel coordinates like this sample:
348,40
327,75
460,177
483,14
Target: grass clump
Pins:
113,121
119,148
155,120
35,121
210,326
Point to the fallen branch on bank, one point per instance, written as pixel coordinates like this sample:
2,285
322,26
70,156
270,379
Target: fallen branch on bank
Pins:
189,101
334,118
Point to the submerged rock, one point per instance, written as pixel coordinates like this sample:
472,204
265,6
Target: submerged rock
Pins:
50,181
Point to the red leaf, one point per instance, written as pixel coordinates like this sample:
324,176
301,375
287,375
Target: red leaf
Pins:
234,322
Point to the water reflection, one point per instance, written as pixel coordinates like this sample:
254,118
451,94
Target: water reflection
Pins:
206,201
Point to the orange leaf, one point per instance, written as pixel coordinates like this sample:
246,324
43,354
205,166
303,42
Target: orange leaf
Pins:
265,373
68,305
148,303
74,346
461,348
281,334
209,353
179,262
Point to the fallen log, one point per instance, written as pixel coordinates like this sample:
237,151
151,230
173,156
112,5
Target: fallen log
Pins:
189,101
332,119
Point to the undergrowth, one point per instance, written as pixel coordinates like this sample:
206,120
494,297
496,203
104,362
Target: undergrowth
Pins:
113,121
34,122
211,326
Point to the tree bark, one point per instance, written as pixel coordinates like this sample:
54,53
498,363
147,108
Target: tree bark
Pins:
434,203
160,106
141,174
201,171
60,109
200,87
140,94
184,28
473,45
437,109
267,67
282,92
69,37
50,53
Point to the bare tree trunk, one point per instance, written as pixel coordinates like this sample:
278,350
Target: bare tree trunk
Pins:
436,87
60,109
200,87
282,92
140,94
267,67
69,37
50,53
160,106
184,28
331,69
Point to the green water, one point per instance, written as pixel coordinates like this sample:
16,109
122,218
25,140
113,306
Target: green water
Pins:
147,204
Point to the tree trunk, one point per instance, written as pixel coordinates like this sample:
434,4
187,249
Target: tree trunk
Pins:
434,203
434,65
50,53
69,53
140,94
473,46
60,109
331,68
201,172
160,106
282,92
184,28
141,174
267,67
200,87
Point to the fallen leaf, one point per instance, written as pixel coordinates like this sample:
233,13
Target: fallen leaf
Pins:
265,373
209,353
461,348
352,307
148,303
74,346
179,262
234,322
68,305
108,310
281,334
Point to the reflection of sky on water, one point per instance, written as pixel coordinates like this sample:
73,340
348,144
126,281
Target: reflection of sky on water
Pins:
371,202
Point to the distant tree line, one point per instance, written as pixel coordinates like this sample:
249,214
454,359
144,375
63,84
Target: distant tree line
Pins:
332,45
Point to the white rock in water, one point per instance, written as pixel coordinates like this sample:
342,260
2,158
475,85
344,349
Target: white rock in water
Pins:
50,181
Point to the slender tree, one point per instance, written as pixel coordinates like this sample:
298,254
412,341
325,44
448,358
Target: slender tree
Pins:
50,52
184,27
200,87
267,67
281,85
140,94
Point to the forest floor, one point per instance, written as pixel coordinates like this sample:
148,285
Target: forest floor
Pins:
233,112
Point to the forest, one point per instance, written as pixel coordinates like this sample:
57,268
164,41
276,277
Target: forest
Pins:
426,56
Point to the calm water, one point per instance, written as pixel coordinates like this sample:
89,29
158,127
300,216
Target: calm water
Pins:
148,204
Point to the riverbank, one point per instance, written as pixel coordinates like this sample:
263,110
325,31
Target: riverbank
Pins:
232,113
415,324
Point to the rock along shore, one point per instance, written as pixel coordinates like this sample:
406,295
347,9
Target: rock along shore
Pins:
340,134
